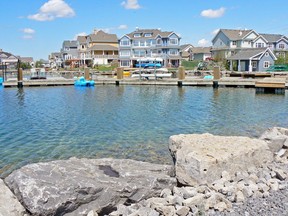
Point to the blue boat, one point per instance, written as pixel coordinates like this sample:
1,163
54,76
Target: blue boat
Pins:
1,80
82,82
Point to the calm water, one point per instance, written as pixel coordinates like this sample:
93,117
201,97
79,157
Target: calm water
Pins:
41,124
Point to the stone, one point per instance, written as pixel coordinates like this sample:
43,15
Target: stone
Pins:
221,206
281,152
12,206
182,210
166,210
175,200
197,201
77,186
280,174
166,192
201,158
275,138
240,197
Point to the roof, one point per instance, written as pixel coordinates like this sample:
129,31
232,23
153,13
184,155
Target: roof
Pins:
201,50
68,43
103,47
101,36
272,37
154,33
81,39
26,59
234,34
246,54
185,46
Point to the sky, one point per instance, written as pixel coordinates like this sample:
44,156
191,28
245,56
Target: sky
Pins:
31,28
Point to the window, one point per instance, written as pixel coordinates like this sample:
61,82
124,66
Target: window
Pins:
266,54
142,43
136,43
125,53
254,64
125,42
259,45
137,35
147,35
125,63
281,46
139,53
266,64
234,43
173,52
173,41
159,41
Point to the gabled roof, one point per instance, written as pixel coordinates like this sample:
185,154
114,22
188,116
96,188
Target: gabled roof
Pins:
26,59
260,36
251,53
101,36
186,47
235,34
68,43
198,50
154,33
81,39
271,38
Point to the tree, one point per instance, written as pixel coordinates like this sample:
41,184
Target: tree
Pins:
25,65
39,64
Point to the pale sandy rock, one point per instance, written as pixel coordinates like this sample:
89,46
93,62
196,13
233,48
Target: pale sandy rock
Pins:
221,206
275,137
240,197
9,205
197,200
182,211
201,158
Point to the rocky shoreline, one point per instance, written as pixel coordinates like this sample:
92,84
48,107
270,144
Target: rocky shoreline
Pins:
212,175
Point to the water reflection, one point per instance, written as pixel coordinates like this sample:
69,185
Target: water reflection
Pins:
20,96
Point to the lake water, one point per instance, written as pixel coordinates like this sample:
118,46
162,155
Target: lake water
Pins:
48,123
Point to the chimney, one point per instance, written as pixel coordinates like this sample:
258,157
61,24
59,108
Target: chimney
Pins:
240,33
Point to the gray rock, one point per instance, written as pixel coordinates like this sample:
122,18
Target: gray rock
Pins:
201,158
275,137
9,205
77,186
182,210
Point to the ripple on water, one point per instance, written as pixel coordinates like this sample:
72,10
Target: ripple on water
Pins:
42,124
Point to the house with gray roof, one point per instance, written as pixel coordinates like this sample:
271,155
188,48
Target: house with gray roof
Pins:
257,59
150,43
7,60
69,53
55,60
186,52
201,53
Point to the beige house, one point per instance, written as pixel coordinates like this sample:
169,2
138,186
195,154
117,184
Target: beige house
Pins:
98,48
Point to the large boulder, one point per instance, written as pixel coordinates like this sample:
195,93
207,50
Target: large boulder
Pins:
201,158
9,205
77,186
276,138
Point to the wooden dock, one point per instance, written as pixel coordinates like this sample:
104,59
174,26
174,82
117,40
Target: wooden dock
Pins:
276,85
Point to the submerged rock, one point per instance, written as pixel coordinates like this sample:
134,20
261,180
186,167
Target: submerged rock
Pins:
77,186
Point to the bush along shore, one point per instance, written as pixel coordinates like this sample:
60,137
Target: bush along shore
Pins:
211,175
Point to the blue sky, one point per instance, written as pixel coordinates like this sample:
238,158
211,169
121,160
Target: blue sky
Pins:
37,28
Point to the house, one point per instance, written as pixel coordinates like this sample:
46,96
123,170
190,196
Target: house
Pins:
55,60
150,43
185,51
257,59
201,53
7,60
69,53
28,60
98,48
277,43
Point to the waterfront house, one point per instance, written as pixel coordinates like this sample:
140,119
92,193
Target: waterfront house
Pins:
7,60
98,48
150,43
69,53
201,53
257,59
27,60
186,52
55,60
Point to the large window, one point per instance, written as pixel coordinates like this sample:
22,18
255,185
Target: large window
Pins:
234,43
139,53
281,46
173,41
125,53
137,35
159,41
125,63
124,42
259,45
148,34
266,64
173,52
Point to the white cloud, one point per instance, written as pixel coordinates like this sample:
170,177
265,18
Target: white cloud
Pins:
122,27
215,31
53,9
131,4
213,13
28,31
203,42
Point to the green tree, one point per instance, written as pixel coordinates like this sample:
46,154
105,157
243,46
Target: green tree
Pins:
25,65
39,64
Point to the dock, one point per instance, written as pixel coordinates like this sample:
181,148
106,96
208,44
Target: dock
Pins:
273,85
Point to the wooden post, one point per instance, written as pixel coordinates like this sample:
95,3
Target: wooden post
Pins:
216,73
119,73
181,73
20,78
87,74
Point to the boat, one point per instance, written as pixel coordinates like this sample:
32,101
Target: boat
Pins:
152,73
83,82
149,63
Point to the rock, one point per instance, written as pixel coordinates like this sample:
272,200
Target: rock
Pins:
280,174
77,186
166,210
221,206
275,137
240,197
197,201
182,210
201,158
166,192
281,152
9,205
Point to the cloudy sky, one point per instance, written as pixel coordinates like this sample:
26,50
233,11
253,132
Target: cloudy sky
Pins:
37,28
